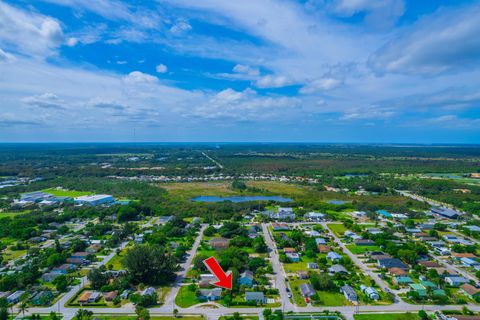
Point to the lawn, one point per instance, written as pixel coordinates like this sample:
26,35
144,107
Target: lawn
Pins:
362,249
337,228
186,298
297,295
386,316
9,255
331,299
66,193
11,214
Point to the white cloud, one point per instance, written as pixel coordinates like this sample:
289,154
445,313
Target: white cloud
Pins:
29,33
273,81
451,121
245,105
180,28
161,68
321,85
433,45
45,100
5,57
378,13
72,41
248,70
137,77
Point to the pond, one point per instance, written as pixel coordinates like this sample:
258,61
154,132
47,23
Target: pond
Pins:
338,202
241,198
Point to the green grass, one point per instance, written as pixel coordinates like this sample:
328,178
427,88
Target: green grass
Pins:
386,316
13,255
11,214
337,228
66,193
331,299
362,249
297,295
186,298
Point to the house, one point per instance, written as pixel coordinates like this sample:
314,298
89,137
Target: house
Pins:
402,280
280,227
392,263
370,292
419,289
219,243
150,291
246,278
293,257
313,233
429,264
470,291
455,281
84,297
110,296
312,265
323,248
333,256
138,239
374,231
464,255
210,294
320,241
79,255
94,248
289,250
352,235
15,297
397,272
41,298
314,216
364,242
258,297
125,294
64,268
349,294
50,276
77,261
469,262
166,219
445,212
94,200
283,214
337,268
302,274
307,290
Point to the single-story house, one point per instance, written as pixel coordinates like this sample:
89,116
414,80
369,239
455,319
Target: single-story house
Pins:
469,290
258,297
110,296
337,268
370,292
333,256
312,265
210,294
455,281
246,278
349,294
219,243
307,290
418,288
302,274
402,281
293,257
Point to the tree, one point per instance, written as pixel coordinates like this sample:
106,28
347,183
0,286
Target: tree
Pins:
61,283
53,316
4,315
150,264
97,278
83,314
422,315
142,313
23,307
175,312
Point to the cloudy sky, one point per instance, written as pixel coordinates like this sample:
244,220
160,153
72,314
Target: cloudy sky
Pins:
250,70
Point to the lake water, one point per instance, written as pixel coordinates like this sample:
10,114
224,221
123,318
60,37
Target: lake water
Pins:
339,202
241,199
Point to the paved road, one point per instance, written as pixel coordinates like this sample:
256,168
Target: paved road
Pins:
280,275
170,298
218,164
448,265
366,270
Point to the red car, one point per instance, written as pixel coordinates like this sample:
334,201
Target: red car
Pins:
307,299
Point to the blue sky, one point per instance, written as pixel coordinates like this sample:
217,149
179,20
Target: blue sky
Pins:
251,70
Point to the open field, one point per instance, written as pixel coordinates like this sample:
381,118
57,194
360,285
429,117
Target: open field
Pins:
387,316
66,193
362,249
11,214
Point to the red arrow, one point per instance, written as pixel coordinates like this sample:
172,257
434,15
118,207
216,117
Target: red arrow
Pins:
224,279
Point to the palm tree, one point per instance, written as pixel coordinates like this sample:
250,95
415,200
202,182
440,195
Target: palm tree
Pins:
23,307
83,314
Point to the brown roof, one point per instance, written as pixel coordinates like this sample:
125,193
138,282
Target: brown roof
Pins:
219,242
323,248
468,288
397,271
442,270
286,250
84,297
464,255
110,295
429,264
